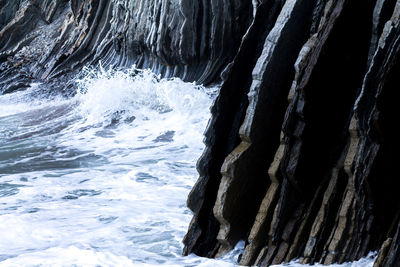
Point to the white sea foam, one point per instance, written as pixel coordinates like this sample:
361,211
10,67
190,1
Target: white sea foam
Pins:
102,177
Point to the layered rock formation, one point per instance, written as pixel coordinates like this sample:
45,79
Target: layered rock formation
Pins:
301,148
45,40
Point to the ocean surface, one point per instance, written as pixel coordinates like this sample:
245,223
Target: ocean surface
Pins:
101,178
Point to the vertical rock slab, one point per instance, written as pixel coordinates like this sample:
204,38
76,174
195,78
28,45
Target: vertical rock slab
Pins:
244,180
316,130
376,170
222,134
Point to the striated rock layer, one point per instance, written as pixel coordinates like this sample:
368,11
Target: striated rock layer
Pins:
301,150
48,39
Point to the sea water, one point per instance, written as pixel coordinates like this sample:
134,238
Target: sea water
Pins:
101,178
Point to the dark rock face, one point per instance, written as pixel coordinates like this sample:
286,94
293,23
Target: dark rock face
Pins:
48,39
312,178
301,150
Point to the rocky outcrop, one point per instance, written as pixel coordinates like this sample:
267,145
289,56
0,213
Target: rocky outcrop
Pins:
301,150
46,40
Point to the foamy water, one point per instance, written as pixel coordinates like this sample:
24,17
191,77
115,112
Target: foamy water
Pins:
102,178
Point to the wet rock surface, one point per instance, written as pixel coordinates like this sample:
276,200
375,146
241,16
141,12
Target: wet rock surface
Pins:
301,150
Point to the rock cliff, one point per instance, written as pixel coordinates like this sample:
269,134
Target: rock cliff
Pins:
301,149
47,39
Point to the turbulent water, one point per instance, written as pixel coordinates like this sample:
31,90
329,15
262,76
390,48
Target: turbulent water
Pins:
102,177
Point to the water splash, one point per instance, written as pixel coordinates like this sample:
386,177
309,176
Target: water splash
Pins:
133,92
103,175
